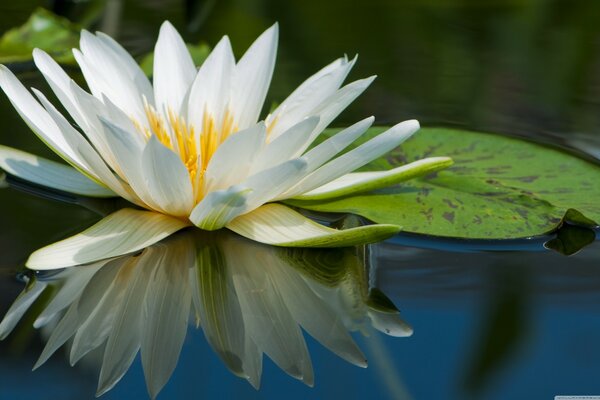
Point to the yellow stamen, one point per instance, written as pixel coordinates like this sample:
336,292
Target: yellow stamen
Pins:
175,134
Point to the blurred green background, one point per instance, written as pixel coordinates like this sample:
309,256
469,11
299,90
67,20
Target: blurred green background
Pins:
527,67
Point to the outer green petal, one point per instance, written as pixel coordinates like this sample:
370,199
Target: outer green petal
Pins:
122,232
279,225
360,182
48,173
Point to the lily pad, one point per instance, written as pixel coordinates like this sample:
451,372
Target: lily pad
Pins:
44,30
498,188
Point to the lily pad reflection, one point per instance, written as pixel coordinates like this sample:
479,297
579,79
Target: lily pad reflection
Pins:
250,299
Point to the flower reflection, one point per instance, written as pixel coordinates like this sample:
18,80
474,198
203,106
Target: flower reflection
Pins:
248,298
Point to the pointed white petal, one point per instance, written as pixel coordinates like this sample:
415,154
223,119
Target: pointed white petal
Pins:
97,325
357,157
174,70
323,152
360,182
218,307
337,102
232,161
167,179
36,117
20,307
91,163
270,183
92,109
390,323
122,232
267,319
309,95
165,318
315,314
252,78
80,310
49,173
130,65
62,332
109,70
124,339
74,284
60,83
209,94
281,226
218,208
128,151
288,145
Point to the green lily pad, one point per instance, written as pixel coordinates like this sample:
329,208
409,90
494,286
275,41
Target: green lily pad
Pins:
44,30
498,188
199,53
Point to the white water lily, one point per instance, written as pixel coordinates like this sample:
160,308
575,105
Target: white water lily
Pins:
190,148
250,300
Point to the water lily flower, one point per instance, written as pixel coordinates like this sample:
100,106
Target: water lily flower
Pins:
143,303
190,148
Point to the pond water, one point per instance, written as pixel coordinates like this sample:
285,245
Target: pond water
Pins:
488,320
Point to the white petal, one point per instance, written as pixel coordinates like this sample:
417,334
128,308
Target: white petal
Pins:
359,182
97,325
218,307
165,316
62,332
122,232
127,152
209,94
124,338
20,307
39,121
270,183
130,65
49,173
167,179
281,226
323,152
337,102
174,70
390,323
252,78
80,310
220,207
75,280
60,83
268,320
309,95
110,70
288,145
314,314
92,109
92,164
356,158
232,160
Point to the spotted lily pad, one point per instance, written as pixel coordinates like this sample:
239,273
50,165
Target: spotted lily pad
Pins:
498,188
44,30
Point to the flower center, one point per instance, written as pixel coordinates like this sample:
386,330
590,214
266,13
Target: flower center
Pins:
195,150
